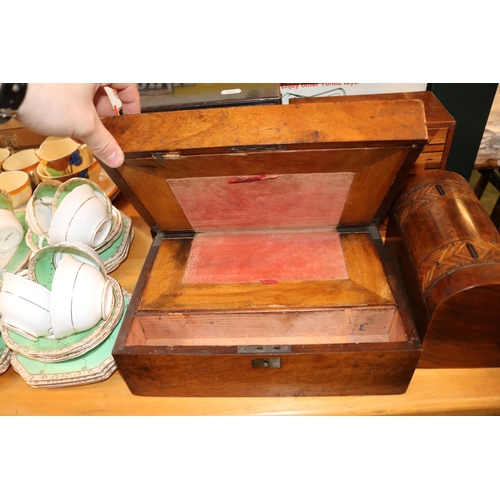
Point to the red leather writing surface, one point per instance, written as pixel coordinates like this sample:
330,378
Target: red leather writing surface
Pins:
267,257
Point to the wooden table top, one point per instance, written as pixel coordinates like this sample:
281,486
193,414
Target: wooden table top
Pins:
431,392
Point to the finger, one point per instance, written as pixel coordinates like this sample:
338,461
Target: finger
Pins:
103,145
103,103
129,96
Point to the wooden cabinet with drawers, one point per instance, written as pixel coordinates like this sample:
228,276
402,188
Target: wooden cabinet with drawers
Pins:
440,125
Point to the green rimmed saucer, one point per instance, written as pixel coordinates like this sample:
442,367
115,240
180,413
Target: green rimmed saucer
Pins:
6,200
67,187
94,366
70,347
114,232
39,207
33,241
114,255
42,266
5,356
114,262
20,259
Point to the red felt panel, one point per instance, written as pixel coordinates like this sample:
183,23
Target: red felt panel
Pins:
266,257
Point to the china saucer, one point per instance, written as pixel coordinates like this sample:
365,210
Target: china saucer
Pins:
33,241
94,366
117,253
5,364
19,259
5,356
39,208
49,351
114,232
113,263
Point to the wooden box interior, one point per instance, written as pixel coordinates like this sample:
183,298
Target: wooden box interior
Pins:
359,308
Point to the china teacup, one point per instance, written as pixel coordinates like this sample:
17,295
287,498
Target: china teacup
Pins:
18,185
81,216
39,208
81,297
25,306
4,154
6,257
90,171
11,230
60,153
25,160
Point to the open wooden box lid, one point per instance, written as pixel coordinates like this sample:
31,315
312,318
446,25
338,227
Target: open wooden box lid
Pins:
340,163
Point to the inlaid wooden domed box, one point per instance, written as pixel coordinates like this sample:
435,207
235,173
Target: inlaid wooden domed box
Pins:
267,275
446,251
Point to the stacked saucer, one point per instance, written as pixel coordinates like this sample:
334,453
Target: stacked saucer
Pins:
14,260
17,259
13,228
47,199
71,359
5,356
115,251
95,365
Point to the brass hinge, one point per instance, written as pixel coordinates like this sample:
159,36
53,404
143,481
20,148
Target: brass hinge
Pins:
251,149
162,158
259,349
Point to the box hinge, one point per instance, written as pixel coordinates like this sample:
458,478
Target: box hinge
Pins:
252,149
162,158
263,349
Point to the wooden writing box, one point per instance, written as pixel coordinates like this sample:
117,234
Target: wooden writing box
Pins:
267,275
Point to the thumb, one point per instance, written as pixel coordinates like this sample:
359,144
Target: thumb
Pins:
104,146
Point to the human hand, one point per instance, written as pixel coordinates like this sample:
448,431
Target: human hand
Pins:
75,110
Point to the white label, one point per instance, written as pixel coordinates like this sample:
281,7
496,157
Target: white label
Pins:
231,91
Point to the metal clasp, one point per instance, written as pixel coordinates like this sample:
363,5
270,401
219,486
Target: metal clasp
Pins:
266,363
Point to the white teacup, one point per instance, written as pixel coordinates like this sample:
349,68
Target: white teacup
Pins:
81,296
17,184
11,230
25,306
6,257
81,216
39,216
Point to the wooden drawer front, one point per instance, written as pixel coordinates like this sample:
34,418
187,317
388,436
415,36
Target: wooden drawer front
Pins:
428,161
438,135
435,154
